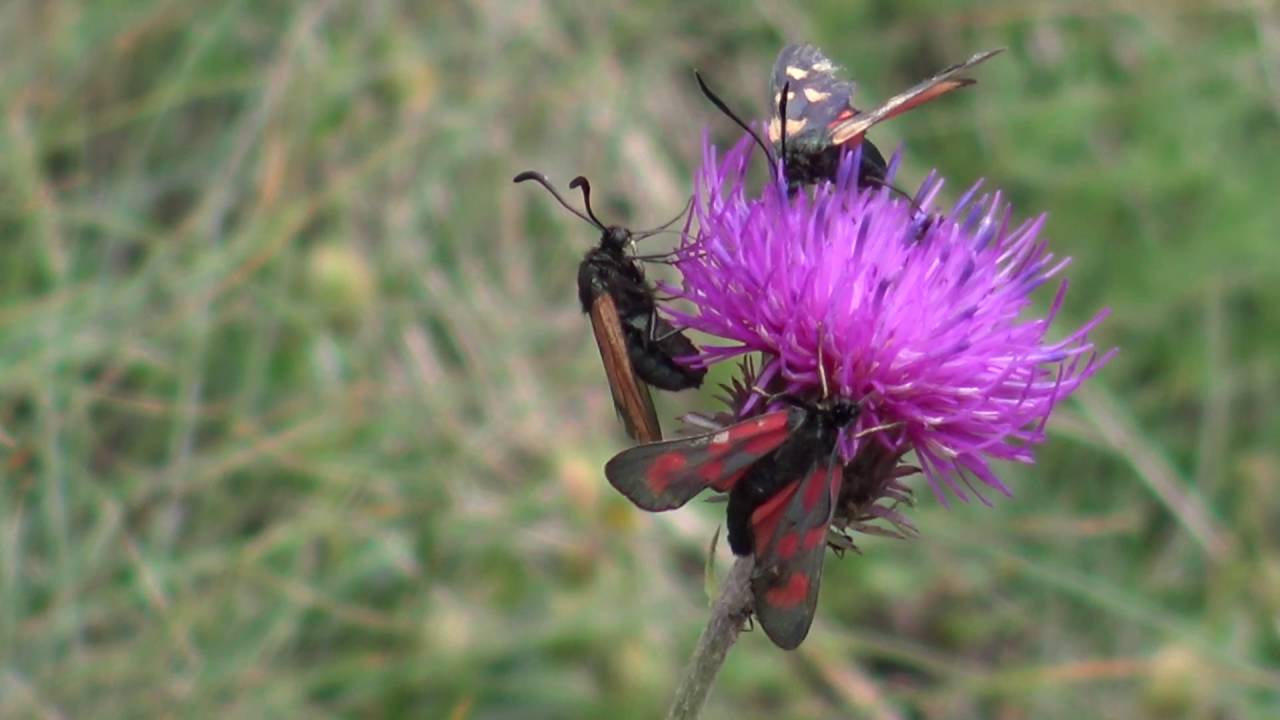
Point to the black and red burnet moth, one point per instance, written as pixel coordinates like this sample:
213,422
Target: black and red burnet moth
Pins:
783,479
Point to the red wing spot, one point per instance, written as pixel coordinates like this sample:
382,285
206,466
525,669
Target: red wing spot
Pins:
760,445
776,420
766,433
787,545
711,471
663,471
815,488
765,519
790,595
815,537
844,115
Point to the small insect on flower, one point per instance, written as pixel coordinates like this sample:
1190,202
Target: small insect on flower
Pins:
783,476
821,121
634,340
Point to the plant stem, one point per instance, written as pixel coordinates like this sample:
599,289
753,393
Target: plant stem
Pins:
730,610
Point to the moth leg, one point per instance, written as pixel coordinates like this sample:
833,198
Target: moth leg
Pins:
653,328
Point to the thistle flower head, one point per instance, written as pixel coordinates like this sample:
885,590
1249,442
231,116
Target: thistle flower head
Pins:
923,317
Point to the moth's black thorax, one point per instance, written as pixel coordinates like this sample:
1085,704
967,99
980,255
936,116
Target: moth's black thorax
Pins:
606,270
813,432
811,159
652,343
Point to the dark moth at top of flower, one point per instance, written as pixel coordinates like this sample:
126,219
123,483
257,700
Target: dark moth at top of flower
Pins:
814,121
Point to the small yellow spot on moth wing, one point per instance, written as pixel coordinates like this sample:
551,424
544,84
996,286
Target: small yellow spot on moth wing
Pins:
814,95
775,130
796,73
823,66
795,126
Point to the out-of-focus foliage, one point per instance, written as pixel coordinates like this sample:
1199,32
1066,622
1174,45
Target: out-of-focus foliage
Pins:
300,416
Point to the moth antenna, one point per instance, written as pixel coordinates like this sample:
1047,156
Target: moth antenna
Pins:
722,107
646,233
782,123
544,182
582,182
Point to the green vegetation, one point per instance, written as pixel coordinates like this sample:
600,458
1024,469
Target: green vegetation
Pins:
300,416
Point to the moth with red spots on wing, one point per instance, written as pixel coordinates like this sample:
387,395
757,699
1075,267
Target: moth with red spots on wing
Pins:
821,121
783,479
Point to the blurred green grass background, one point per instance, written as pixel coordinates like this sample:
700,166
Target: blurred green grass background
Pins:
300,416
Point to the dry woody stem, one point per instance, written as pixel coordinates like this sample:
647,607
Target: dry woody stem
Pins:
728,614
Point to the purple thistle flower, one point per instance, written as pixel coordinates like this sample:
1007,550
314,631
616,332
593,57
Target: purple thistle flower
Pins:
914,313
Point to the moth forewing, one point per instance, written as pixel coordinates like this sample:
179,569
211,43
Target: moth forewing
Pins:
630,396
940,84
